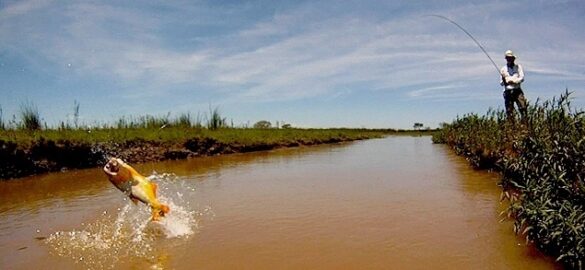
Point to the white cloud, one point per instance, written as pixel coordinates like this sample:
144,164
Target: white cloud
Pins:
299,52
427,90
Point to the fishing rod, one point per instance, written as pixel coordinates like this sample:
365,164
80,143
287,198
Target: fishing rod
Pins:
469,34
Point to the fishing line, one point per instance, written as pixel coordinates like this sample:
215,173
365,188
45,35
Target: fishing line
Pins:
468,34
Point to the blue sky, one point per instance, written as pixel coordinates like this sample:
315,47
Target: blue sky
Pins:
375,64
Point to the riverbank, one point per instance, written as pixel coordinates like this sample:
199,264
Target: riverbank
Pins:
334,206
24,153
542,161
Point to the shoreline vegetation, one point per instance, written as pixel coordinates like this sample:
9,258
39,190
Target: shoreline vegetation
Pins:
27,149
542,163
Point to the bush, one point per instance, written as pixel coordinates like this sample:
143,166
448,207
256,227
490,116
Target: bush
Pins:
262,124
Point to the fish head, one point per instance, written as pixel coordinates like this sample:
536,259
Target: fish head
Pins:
113,166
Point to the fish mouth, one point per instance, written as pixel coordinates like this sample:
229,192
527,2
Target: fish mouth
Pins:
112,167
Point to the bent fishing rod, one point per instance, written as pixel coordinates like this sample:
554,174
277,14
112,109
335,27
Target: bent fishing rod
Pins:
468,34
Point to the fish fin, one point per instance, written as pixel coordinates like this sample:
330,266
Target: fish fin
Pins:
134,200
154,188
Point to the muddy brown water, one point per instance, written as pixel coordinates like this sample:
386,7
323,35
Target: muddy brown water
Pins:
392,203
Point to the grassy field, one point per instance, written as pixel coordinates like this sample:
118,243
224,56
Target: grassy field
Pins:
542,161
25,152
29,130
28,146
180,134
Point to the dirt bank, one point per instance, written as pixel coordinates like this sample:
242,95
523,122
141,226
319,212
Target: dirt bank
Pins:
50,156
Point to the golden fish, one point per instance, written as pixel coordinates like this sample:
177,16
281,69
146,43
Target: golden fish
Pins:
136,186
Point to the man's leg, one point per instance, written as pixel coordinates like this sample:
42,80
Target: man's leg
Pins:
509,103
521,102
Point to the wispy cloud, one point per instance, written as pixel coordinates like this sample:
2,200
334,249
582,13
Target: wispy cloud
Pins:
434,89
23,7
330,52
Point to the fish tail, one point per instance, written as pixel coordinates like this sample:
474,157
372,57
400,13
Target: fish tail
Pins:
164,209
159,211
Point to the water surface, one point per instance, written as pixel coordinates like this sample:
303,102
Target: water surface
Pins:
393,203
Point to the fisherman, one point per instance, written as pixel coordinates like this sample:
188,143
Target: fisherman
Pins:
512,77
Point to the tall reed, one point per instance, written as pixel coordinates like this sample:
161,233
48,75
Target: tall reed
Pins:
30,118
542,160
215,121
76,114
2,124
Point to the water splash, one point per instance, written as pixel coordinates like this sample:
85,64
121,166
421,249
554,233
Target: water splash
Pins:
99,153
178,194
106,242
102,243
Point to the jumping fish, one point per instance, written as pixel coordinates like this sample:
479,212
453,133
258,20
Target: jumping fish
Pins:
136,186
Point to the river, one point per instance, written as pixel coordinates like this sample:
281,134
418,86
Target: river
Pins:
393,203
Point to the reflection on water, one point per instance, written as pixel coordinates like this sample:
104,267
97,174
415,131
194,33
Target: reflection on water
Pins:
399,202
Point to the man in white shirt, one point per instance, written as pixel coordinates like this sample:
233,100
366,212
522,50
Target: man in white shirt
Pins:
512,77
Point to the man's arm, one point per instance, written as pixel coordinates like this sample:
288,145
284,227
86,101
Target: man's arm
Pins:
504,74
520,77
517,77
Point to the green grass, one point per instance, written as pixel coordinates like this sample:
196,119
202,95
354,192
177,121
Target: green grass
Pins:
156,122
542,161
27,149
172,130
30,117
177,134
